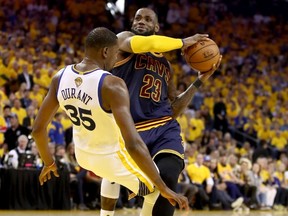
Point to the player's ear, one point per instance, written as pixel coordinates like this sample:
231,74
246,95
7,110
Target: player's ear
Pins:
157,27
105,52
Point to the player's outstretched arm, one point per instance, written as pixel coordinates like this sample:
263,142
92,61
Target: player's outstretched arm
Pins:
39,132
180,102
116,98
132,43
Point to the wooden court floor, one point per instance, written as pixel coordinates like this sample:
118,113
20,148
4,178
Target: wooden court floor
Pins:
131,212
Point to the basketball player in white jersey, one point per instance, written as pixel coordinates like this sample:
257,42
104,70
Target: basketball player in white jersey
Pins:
98,105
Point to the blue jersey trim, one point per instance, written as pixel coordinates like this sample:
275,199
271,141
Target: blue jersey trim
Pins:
60,81
100,90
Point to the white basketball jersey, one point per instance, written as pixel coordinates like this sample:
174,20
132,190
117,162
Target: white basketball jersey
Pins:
79,95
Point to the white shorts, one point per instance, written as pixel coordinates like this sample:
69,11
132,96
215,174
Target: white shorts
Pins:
116,167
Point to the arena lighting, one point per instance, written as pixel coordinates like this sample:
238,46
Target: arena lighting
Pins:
115,6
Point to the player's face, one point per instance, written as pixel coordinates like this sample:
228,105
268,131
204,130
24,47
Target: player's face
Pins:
145,23
111,57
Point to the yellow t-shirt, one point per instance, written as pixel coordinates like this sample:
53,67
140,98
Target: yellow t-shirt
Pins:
265,175
279,142
198,174
192,159
224,171
38,97
243,151
3,128
183,122
195,129
21,113
279,176
264,134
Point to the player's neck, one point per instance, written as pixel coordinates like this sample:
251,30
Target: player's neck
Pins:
88,64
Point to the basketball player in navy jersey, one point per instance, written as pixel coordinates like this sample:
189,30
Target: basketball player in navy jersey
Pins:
98,105
154,103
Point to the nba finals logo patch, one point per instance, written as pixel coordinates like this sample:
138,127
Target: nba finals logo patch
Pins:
78,81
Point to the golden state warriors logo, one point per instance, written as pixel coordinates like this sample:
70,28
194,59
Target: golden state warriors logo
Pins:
78,81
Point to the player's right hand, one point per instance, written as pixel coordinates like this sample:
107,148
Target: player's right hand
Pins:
175,198
46,173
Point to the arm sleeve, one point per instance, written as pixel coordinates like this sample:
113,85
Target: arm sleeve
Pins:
154,43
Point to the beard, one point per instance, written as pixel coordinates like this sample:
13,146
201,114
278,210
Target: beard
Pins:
146,33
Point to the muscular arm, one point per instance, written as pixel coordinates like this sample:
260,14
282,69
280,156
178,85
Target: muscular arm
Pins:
115,97
132,43
46,113
180,102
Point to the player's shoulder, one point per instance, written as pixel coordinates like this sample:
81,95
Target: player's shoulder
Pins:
125,34
113,81
59,73
114,84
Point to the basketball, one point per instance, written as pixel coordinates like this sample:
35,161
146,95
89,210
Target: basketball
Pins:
202,55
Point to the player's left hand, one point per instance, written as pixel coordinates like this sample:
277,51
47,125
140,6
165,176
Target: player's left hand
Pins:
203,76
175,198
189,41
45,174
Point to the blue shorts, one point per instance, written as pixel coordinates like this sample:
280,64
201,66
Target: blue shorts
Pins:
164,139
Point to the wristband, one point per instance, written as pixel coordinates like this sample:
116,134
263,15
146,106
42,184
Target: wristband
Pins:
197,83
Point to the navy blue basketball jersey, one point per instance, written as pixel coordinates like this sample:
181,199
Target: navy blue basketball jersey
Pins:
147,76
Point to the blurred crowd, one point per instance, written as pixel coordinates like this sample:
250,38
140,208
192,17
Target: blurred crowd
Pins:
235,130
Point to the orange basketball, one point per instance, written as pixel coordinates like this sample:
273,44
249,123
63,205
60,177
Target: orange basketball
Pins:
202,55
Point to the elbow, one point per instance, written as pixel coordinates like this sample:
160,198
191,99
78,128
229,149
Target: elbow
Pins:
135,147
175,111
36,132
131,148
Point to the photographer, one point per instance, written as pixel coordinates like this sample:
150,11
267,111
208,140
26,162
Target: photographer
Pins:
12,158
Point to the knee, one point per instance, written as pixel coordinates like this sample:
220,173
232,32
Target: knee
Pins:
170,176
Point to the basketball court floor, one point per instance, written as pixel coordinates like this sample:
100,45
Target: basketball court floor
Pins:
136,213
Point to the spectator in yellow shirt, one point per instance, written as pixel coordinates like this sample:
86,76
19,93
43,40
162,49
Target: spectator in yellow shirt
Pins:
279,141
37,95
250,129
264,173
246,150
183,122
199,174
40,80
195,128
3,129
20,93
17,108
264,133
224,170
191,152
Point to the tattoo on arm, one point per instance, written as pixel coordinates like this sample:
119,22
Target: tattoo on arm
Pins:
182,101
